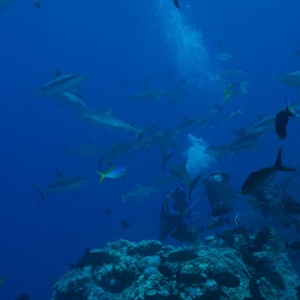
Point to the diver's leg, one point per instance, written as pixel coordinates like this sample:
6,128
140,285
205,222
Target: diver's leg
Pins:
165,229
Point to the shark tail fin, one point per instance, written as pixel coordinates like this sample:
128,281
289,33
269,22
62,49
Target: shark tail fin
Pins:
144,130
36,3
40,191
279,166
121,196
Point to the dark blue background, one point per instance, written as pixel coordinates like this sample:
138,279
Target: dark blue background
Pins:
109,42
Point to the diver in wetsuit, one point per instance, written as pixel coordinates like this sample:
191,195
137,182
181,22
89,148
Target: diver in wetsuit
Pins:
173,211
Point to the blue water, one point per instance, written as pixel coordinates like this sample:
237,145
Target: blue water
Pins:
116,45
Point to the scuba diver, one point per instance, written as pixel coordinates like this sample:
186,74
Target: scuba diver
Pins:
173,211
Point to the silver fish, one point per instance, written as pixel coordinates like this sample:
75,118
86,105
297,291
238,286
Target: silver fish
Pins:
60,184
59,85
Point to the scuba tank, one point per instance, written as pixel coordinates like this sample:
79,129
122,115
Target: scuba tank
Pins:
218,192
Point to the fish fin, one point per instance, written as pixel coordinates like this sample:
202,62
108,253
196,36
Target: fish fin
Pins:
100,163
165,159
240,131
144,130
288,111
121,196
109,170
227,94
279,166
40,191
56,73
107,111
36,3
176,3
76,93
102,176
244,86
58,173
215,107
76,191
260,117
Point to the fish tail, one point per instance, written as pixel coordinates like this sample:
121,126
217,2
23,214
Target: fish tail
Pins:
144,130
279,166
36,3
287,169
102,176
121,196
40,191
288,110
176,3
244,86
227,95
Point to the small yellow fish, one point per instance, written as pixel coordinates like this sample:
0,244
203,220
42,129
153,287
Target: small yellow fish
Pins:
113,172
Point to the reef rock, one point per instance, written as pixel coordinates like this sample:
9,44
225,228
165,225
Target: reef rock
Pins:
149,270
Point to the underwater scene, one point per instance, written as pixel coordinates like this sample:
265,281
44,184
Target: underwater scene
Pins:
150,150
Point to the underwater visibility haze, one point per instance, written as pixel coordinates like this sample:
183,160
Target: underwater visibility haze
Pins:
111,108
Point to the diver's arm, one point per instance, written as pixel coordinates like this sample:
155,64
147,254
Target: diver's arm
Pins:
187,212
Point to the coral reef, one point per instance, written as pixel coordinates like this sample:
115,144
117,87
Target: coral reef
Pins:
150,270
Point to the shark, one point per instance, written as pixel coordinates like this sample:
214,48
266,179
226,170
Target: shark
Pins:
149,95
291,79
140,193
106,119
61,84
60,184
4,3
71,99
247,137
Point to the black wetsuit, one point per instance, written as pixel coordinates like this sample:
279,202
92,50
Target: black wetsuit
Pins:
172,217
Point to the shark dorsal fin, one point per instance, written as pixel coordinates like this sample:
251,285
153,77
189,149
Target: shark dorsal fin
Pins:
58,173
57,73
